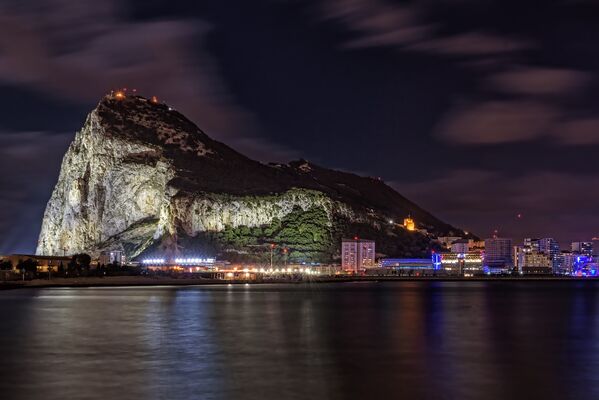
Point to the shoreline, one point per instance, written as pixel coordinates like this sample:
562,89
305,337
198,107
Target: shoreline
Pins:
143,281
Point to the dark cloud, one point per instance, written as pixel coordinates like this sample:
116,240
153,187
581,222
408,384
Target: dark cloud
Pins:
497,122
540,81
584,131
471,44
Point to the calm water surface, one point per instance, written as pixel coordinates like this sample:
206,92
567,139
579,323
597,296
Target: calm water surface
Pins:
408,340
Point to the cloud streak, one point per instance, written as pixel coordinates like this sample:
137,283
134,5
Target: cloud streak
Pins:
495,122
380,23
539,81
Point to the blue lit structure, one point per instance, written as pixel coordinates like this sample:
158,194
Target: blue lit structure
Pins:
413,265
584,266
436,259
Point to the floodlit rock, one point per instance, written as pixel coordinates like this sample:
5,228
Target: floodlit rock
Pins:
142,178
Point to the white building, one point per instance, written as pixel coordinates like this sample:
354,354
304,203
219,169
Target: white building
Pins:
460,246
113,256
357,254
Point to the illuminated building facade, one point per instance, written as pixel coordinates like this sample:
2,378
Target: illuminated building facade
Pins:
357,254
498,255
534,263
517,250
466,264
476,245
584,265
550,247
531,244
583,248
410,266
566,262
112,257
44,263
183,264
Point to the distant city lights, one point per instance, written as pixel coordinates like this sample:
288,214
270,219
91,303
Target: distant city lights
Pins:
193,261
154,261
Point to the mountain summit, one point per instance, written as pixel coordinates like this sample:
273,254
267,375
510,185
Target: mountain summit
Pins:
142,178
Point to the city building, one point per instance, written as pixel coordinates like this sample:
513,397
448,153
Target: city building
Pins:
566,263
476,245
498,255
357,254
463,264
460,246
112,257
517,251
584,265
407,266
550,247
43,262
534,263
583,248
531,245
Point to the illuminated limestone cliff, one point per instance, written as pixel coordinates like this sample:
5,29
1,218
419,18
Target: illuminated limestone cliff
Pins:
141,177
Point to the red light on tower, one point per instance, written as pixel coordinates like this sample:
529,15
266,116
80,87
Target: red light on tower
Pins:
356,238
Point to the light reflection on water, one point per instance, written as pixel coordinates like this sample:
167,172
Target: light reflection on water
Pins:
410,340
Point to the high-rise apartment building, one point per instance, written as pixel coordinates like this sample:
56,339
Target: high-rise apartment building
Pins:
583,248
531,245
550,247
357,254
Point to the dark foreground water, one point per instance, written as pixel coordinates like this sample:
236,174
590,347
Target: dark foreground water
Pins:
408,340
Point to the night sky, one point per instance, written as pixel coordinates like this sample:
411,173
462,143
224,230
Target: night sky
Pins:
476,110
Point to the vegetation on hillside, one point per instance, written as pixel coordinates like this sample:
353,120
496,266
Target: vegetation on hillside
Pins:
302,236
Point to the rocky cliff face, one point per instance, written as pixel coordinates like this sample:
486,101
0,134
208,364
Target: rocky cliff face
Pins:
142,178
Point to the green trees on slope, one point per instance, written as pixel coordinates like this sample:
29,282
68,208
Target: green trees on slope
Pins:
302,236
